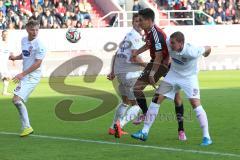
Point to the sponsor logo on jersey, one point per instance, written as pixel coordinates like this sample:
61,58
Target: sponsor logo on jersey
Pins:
184,59
178,61
158,46
26,53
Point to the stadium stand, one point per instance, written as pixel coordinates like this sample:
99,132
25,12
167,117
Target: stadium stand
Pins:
14,14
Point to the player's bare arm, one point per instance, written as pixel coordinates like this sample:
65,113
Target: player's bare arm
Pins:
111,75
35,66
207,51
13,58
156,64
140,50
138,60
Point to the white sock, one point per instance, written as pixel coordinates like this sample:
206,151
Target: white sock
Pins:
131,114
5,86
120,111
150,116
202,118
23,114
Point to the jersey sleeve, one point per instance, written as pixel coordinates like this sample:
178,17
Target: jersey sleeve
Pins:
195,52
41,51
158,40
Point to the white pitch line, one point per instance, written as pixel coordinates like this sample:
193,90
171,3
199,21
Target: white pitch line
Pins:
130,145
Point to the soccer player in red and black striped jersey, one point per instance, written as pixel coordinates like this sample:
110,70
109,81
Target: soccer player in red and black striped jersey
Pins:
157,67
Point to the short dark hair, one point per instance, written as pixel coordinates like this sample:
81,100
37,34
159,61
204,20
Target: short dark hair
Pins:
179,36
147,13
32,23
135,15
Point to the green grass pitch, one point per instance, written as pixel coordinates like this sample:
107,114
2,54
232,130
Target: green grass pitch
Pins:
56,139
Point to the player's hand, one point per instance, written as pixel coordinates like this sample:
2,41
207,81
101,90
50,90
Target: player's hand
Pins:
151,80
133,59
18,77
111,76
12,57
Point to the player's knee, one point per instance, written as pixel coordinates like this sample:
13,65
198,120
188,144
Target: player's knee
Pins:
195,102
16,101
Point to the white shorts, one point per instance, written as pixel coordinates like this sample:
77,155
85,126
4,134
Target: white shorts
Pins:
25,87
175,82
127,82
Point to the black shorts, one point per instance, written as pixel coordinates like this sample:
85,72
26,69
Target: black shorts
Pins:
161,72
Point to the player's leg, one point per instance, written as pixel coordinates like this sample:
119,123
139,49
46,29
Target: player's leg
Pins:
119,113
133,111
179,109
149,118
203,120
165,90
139,86
142,82
5,86
191,88
21,94
122,107
23,113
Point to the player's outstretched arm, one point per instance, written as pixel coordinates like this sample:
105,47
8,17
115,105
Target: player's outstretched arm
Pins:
35,66
13,58
111,75
156,64
140,50
207,51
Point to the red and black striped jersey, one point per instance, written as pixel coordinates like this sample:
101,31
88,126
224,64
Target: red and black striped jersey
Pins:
156,40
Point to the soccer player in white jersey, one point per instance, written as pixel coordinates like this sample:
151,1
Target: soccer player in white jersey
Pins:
127,73
32,55
183,74
4,57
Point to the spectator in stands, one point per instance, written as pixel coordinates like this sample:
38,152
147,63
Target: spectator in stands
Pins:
3,23
12,17
60,11
70,7
219,16
14,6
210,21
237,17
194,4
136,5
36,7
211,4
36,16
47,19
84,9
3,7
47,5
230,14
200,18
39,2
67,17
25,8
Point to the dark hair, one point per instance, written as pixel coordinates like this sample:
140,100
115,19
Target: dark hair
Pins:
32,23
179,36
147,13
135,15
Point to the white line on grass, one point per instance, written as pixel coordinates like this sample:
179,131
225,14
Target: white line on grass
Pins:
130,145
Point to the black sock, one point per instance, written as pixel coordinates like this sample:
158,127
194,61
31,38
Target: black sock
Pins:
142,104
179,113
